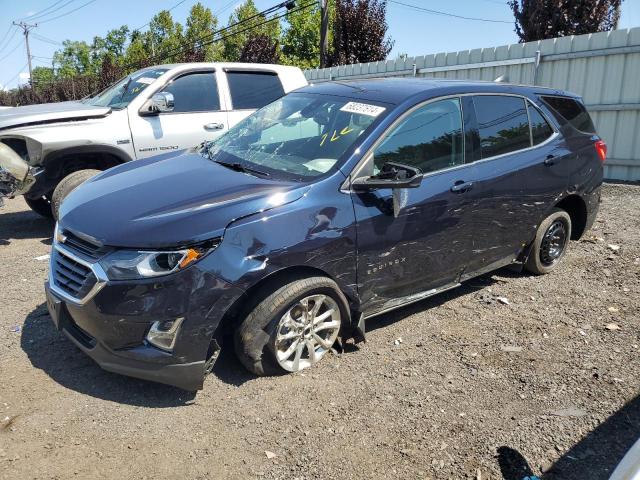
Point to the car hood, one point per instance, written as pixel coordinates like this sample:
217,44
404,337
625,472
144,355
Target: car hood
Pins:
49,113
168,201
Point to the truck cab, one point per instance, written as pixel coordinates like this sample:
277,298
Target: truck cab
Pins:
155,110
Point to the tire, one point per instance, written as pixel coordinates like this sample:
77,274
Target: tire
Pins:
67,185
550,244
40,205
258,342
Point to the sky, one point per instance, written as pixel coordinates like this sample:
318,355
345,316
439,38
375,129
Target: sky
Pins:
414,31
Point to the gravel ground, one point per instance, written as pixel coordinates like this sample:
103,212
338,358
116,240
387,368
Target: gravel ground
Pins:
457,386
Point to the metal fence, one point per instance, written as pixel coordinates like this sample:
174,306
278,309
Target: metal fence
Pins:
602,67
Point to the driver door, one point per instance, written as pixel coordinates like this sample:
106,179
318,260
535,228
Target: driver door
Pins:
429,243
197,116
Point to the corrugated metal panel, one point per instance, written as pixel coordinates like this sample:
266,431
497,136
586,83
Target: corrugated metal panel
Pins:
604,68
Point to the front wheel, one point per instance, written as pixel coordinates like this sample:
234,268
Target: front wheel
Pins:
550,244
67,185
40,205
292,328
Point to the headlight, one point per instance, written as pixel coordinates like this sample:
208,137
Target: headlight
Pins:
134,264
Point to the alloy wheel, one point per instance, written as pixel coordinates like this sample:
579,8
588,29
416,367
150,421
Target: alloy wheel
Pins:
306,332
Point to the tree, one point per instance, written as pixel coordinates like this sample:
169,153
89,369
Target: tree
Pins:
540,19
252,25
74,59
113,45
165,38
260,49
301,38
201,24
359,33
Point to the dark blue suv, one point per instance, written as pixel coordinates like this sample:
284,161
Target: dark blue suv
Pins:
333,204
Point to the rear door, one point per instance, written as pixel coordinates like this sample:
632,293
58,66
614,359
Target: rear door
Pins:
522,169
428,245
198,115
249,90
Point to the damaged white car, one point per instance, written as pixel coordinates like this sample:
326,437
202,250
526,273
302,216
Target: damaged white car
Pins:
48,150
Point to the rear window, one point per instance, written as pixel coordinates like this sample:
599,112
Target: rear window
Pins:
572,111
252,90
503,124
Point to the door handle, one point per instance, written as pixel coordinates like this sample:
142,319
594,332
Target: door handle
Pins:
461,186
550,160
213,126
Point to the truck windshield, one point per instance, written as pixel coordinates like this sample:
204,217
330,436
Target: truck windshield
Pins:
298,137
120,94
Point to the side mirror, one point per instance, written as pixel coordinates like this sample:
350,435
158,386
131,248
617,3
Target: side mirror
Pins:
396,176
160,102
393,175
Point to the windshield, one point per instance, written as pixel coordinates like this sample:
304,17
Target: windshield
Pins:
298,137
119,95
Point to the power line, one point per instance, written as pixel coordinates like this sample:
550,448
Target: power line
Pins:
209,39
6,34
170,9
16,46
226,7
9,39
15,76
44,12
447,14
42,38
67,13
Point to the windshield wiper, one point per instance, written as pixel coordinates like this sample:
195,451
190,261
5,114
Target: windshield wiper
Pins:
239,167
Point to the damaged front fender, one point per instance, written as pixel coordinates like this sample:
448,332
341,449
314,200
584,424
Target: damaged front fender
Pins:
15,174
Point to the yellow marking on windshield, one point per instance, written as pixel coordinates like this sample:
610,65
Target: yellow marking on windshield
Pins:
335,135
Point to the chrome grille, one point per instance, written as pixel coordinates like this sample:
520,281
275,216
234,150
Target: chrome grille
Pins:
82,246
72,277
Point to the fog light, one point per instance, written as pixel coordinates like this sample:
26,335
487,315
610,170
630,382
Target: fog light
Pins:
163,333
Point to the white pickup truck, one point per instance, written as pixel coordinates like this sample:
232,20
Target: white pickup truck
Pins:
47,150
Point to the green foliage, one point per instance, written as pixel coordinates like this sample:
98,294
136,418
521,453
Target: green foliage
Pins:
301,38
201,23
541,19
253,25
80,68
73,59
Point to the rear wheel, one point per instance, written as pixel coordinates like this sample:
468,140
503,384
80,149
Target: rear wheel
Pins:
292,328
40,205
550,243
67,185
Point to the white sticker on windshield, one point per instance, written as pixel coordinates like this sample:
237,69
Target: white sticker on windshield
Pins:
363,109
146,80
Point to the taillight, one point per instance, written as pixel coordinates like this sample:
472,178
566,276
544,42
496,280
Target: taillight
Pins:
601,149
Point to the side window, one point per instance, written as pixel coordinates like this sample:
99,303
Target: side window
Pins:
572,111
430,138
195,92
540,129
253,90
503,124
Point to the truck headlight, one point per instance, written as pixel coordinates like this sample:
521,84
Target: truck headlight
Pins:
136,264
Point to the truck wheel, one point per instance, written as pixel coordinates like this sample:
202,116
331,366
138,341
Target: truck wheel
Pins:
550,243
40,205
292,328
67,185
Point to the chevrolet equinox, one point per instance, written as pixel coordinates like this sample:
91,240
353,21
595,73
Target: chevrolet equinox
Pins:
333,204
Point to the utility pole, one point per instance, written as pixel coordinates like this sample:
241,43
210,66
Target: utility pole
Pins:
324,33
26,28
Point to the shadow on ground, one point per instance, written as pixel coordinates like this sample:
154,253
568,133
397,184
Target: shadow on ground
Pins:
23,225
595,457
50,351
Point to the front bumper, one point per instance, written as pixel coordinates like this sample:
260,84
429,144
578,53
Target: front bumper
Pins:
112,325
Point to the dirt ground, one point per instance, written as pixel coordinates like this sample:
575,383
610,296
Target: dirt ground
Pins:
457,386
